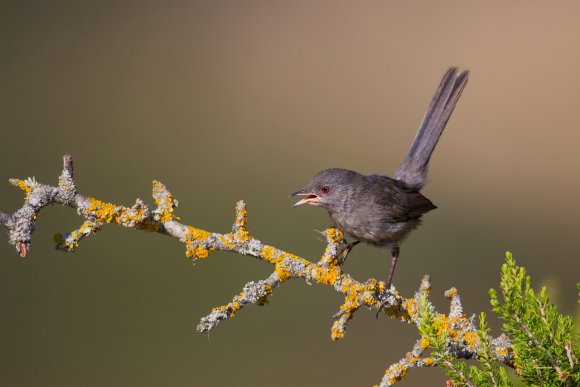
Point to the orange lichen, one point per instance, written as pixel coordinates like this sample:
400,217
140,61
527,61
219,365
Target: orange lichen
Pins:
424,343
429,361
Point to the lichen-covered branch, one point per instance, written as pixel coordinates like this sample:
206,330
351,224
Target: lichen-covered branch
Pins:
372,294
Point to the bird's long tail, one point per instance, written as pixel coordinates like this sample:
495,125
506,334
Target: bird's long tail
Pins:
413,170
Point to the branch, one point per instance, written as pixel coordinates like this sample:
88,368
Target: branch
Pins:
373,294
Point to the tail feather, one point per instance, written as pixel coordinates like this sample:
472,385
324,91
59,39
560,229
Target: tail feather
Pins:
413,170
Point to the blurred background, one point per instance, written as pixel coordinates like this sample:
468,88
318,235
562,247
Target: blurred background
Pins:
229,100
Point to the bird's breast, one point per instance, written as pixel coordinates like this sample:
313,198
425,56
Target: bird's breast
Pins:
373,228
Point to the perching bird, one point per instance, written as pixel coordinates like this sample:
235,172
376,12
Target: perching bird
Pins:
378,209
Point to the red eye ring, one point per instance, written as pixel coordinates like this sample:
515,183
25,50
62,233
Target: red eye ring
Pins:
325,189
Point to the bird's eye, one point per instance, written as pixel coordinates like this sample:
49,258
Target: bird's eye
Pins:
325,189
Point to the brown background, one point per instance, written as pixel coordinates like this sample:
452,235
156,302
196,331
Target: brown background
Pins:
246,100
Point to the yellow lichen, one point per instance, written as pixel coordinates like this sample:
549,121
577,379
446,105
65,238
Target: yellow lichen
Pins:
381,286
424,343
235,306
397,312
280,258
471,338
269,253
104,212
501,351
227,240
326,276
451,293
164,200
413,360
337,331
198,252
282,272
198,234
517,368
241,215
86,227
22,184
242,235
193,239
411,307
334,234
429,361
442,322
396,372
264,299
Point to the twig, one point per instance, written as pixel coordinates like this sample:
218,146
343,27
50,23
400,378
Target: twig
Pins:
200,243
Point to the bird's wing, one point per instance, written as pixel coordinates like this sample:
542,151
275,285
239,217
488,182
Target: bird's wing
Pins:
395,201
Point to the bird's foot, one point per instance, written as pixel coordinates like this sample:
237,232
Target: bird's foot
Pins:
383,301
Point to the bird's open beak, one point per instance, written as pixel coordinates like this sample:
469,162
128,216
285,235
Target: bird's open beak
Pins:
309,199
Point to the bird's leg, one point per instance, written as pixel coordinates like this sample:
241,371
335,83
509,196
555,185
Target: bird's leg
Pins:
347,250
394,257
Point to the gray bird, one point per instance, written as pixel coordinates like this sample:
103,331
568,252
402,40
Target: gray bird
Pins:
377,209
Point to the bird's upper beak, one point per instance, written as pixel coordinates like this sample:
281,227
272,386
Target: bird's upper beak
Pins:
309,199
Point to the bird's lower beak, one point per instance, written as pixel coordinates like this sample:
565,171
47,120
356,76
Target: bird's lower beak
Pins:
309,199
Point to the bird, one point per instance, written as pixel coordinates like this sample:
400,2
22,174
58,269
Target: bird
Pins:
380,210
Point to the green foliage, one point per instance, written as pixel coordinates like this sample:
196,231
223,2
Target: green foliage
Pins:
435,329
490,368
545,345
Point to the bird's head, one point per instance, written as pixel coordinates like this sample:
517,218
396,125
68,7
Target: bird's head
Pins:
328,188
